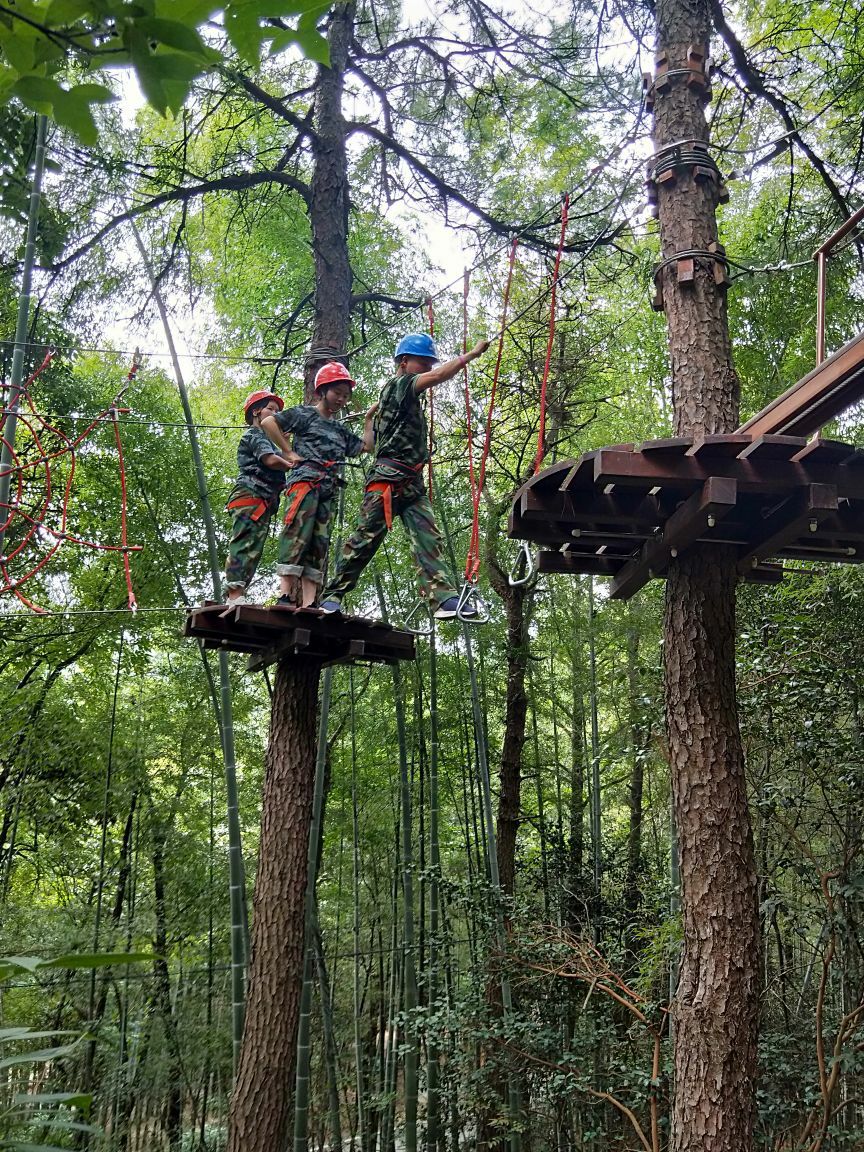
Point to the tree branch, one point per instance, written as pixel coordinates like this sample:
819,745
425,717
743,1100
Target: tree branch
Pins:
233,183
756,84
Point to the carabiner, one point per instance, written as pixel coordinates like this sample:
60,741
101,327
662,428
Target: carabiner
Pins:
469,597
524,552
419,631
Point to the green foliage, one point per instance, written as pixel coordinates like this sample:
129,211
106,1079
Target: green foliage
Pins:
160,39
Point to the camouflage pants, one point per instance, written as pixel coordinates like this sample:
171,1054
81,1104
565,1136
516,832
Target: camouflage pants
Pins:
411,504
248,537
306,532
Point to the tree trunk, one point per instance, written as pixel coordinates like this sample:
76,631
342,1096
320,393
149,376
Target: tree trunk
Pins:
259,1115
328,204
715,1010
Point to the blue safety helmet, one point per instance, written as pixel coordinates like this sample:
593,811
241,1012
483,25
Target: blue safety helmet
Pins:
417,344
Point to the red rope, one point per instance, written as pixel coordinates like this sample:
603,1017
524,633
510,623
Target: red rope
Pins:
541,436
36,519
127,570
430,315
472,562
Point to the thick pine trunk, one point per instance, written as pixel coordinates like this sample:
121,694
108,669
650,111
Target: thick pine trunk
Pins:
259,1117
715,1009
329,202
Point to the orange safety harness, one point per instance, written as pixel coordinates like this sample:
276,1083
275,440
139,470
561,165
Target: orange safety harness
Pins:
257,502
385,487
300,489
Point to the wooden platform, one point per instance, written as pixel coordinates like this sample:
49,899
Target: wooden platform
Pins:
627,511
274,634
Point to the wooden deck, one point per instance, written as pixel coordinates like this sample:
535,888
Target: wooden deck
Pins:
628,511
273,634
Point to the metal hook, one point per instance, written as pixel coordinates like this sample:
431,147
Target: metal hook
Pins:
470,597
419,631
524,551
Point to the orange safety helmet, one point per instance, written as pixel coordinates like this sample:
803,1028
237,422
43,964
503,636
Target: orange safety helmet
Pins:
334,373
255,398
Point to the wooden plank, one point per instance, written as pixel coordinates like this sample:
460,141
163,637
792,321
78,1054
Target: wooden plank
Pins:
580,474
819,451
674,445
816,399
719,445
545,505
714,501
565,562
765,574
793,519
688,474
772,448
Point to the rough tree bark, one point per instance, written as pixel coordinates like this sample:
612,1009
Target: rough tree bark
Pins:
328,204
260,1106
715,1009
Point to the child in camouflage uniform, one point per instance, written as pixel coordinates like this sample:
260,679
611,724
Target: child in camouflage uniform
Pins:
255,496
395,484
320,445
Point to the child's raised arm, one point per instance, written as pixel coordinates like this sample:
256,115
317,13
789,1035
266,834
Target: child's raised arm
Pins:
442,372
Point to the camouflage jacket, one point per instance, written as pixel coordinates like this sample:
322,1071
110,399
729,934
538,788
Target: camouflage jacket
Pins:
252,475
319,442
400,428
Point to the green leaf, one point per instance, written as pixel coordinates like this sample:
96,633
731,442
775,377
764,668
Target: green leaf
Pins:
61,12
26,1034
29,963
81,1100
313,45
174,34
40,1056
243,25
97,959
19,1146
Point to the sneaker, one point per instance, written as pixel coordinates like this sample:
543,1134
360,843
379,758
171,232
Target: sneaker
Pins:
285,602
446,610
330,606
233,601
449,609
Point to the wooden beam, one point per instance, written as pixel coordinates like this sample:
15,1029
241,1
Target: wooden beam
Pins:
716,499
688,473
814,401
575,565
765,574
548,504
799,514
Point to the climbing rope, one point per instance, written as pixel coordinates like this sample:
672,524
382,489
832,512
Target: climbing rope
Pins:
472,561
541,434
37,530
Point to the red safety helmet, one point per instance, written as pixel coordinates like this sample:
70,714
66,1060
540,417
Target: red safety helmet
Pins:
333,373
255,398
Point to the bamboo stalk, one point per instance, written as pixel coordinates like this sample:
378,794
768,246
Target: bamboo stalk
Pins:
236,868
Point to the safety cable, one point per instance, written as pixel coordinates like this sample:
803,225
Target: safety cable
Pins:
472,561
472,480
541,433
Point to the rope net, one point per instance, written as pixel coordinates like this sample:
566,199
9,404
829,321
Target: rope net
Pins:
42,465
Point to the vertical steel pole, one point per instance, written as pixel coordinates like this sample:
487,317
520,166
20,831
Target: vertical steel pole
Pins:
11,424
821,289
236,866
